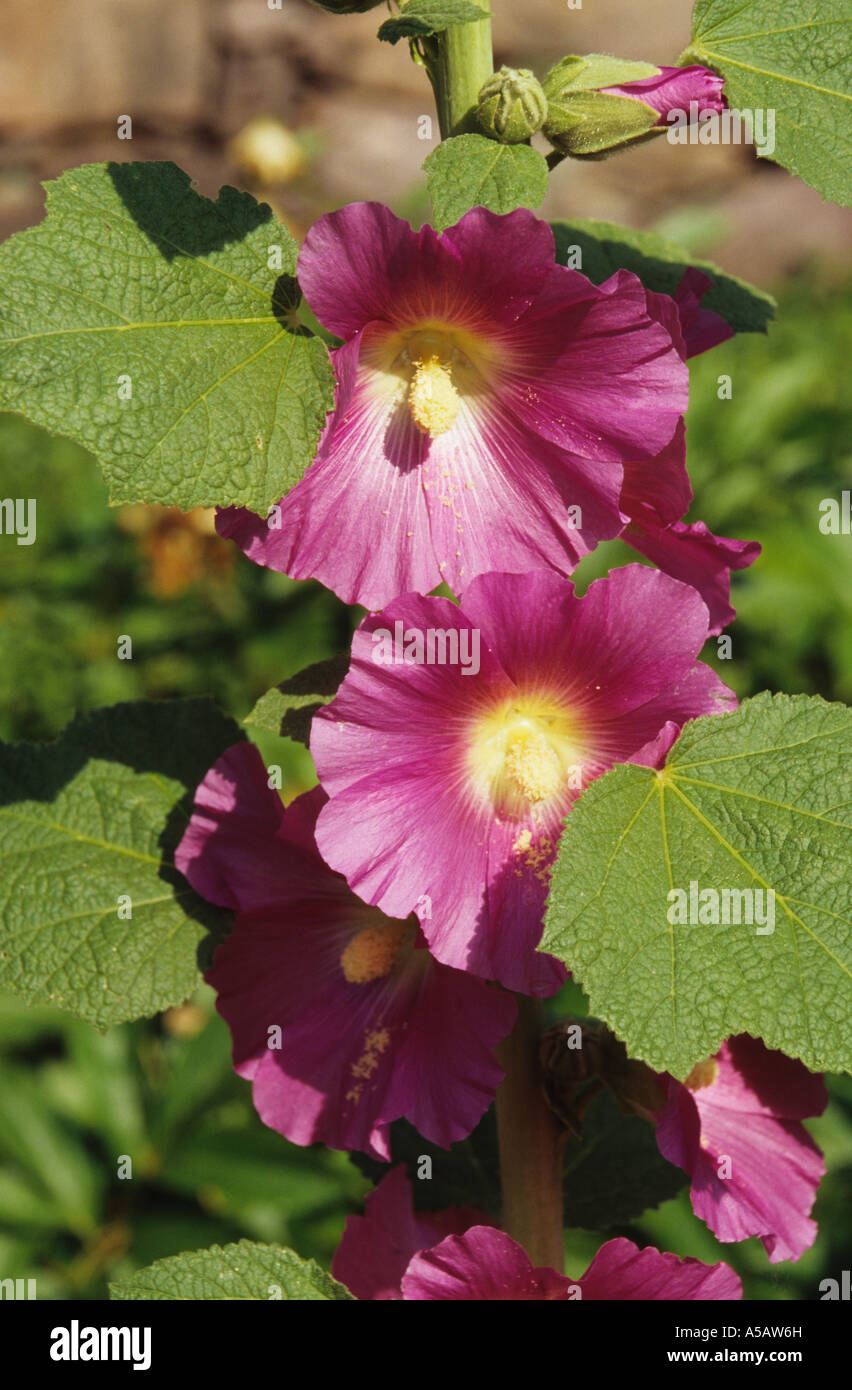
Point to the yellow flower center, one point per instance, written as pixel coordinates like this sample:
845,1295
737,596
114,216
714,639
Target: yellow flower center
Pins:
702,1074
374,951
526,753
532,764
433,368
433,400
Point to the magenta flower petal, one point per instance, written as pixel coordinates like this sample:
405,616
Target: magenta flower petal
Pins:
702,329
486,401
235,851
340,1016
448,786
673,89
484,1264
376,1248
620,1270
735,1127
658,488
362,264
691,553
619,336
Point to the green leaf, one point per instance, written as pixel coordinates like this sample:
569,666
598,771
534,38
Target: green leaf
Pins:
245,1270
288,708
465,1175
423,17
87,820
615,1172
757,799
50,1152
470,171
612,1173
791,57
605,247
587,72
241,1167
134,277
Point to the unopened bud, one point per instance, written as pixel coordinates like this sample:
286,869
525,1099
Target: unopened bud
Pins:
582,119
574,1076
511,106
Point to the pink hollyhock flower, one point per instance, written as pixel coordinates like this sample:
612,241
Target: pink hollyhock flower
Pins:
339,1015
735,1127
449,782
394,1253
486,401
673,89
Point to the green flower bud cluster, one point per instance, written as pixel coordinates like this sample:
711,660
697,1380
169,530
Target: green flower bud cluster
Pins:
568,106
511,106
584,121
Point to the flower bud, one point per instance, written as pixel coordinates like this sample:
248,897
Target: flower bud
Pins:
512,105
596,104
574,1075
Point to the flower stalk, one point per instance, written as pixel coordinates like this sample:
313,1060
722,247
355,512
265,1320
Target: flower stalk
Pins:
462,61
531,1141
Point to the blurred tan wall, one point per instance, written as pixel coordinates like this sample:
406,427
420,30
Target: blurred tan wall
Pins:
191,72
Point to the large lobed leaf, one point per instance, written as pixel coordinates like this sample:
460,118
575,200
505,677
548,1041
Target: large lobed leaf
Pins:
793,57
132,274
244,1270
288,708
761,798
87,822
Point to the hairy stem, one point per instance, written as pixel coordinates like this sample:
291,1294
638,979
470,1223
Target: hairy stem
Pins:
531,1142
463,61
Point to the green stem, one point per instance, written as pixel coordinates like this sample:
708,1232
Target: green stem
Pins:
530,1140
463,61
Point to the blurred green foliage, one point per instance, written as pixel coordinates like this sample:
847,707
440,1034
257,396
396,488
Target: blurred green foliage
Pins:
75,1105
162,1092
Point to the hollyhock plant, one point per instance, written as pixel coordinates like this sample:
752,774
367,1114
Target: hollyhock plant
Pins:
673,89
735,1126
393,1252
449,785
486,401
339,1015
